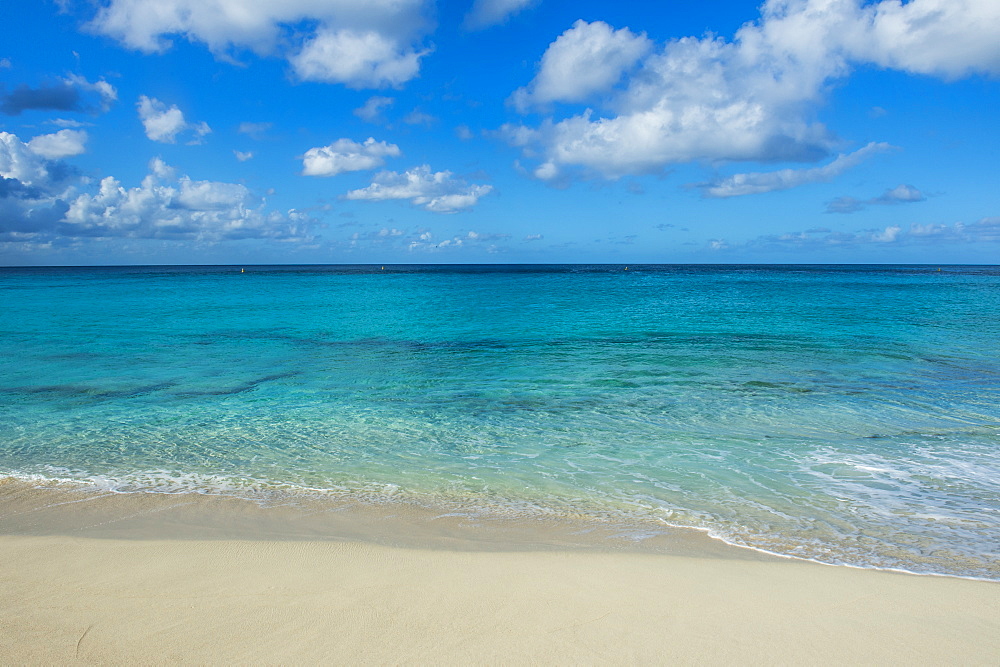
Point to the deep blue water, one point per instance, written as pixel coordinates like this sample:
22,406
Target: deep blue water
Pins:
848,414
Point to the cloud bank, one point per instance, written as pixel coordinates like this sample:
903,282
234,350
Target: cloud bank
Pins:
985,230
43,200
359,43
749,99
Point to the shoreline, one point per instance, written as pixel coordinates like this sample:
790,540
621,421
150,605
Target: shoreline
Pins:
70,508
77,510
147,579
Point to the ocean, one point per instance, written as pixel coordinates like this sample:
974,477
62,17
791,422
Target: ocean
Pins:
843,414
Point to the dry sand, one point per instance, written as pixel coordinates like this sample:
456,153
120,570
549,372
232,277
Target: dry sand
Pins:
96,595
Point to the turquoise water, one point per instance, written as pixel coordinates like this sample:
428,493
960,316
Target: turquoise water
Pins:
843,414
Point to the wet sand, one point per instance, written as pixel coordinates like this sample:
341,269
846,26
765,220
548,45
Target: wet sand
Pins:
162,579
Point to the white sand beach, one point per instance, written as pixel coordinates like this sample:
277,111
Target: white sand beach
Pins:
114,592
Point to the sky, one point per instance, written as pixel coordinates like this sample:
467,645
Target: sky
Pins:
499,131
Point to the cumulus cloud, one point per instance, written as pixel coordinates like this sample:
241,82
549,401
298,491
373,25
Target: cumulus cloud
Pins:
358,59
945,38
179,208
64,143
437,192
784,179
21,164
360,43
486,13
588,58
901,194
73,93
163,123
243,156
749,99
346,155
41,200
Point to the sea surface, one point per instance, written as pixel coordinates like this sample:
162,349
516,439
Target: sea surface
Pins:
844,414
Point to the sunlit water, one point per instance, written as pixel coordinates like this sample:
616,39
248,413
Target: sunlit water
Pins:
843,414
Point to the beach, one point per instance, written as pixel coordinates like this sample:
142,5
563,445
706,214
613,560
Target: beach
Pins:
190,579
564,464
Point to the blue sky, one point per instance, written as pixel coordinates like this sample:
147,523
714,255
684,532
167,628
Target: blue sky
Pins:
390,131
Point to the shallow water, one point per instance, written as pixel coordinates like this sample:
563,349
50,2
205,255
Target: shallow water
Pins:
843,414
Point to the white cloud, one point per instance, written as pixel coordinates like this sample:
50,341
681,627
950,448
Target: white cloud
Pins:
243,157
163,206
5,63
64,143
437,192
588,58
901,194
426,242
749,99
346,155
39,206
65,122
784,179
163,123
107,92
358,59
18,162
887,235
945,38
486,13
371,110
356,42
383,236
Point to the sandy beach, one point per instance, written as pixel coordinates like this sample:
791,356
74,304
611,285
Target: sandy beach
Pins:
147,580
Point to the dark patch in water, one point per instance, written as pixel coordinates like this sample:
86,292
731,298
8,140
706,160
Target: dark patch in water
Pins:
239,389
82,391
